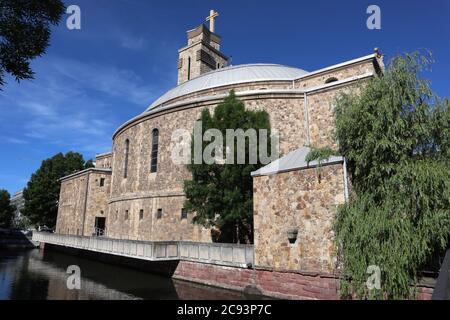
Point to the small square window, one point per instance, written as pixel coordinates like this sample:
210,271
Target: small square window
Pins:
141,214
102,182
184,213
126,215
159,214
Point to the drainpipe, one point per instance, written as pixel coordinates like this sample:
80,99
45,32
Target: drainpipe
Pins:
85,203
308,137
345,181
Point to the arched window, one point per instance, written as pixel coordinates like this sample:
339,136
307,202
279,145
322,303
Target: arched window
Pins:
332,79
154,155
127,152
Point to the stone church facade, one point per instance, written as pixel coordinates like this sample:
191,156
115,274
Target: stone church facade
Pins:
136,191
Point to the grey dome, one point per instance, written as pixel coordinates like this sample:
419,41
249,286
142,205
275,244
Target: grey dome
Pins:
229,76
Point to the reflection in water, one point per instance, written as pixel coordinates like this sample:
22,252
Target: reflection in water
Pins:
37,274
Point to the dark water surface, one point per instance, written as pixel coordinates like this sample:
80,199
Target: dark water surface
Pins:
41,275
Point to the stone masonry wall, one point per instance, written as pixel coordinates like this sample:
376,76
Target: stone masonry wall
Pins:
321,107
72,203
310,198
166,185
342,73
169,227
104,161
97,200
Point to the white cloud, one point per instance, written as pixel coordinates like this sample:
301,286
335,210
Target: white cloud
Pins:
13,140
73,104
110,80
130,42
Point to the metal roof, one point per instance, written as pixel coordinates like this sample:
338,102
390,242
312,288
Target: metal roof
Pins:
294,161
231,75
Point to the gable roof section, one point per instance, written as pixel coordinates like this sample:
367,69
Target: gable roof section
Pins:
294,160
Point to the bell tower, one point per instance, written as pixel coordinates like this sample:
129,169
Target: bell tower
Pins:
202,53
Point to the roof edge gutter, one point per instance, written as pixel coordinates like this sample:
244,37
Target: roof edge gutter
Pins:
241,94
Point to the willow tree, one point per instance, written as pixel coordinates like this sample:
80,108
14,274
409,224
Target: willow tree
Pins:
396,137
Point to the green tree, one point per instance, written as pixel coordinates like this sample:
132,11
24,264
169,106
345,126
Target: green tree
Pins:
42,191
395,136
221,194
89,164
6,209
25,34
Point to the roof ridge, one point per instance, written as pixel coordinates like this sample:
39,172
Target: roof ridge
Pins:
238,66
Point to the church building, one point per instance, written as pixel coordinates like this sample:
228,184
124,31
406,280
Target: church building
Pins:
136,191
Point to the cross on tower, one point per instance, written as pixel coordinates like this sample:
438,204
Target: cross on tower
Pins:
212,15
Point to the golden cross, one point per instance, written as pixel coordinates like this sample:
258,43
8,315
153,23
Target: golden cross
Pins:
212,15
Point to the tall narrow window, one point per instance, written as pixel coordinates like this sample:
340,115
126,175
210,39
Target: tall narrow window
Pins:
154,155
127,151
184,213
189,68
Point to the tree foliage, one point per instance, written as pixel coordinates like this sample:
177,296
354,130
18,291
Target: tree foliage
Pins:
42,191
395,136
6,209
25,33
320,155
221,194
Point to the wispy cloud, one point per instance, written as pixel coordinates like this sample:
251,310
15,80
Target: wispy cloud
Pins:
130,42
12,140
75,104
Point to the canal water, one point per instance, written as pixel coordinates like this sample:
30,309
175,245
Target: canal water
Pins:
42,275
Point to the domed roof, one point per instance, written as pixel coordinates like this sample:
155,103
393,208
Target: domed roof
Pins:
229,76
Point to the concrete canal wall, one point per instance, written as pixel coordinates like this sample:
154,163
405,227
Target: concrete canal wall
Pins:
228,266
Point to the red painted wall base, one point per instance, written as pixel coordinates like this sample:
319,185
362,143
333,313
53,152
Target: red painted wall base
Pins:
284,285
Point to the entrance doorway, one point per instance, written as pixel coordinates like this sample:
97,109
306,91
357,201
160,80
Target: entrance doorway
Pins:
100,225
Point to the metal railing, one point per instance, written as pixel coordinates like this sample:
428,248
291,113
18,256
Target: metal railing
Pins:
212,253
99,232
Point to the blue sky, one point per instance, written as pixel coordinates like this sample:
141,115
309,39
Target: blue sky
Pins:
92,80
